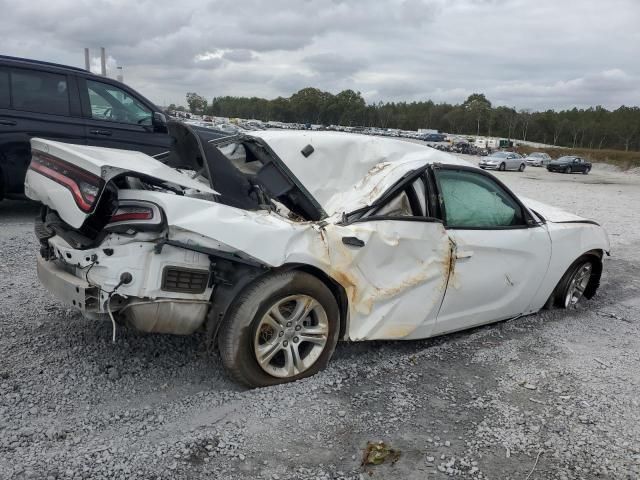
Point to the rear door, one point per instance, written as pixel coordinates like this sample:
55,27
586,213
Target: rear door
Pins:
40,104
117,118
501,254
395,264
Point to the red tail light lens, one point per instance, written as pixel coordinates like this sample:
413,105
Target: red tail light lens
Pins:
84,186
136,215
131,213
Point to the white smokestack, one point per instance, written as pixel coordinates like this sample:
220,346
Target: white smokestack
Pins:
103,62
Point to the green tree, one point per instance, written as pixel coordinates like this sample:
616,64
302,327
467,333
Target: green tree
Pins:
197,104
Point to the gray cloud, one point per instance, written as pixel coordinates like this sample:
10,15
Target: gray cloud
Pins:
542,54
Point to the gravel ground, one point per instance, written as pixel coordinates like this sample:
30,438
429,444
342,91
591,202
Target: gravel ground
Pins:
549,396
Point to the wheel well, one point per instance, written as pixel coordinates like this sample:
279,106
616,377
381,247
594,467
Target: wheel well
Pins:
338,291
594,281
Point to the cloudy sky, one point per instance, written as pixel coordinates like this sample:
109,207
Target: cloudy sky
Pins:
534,54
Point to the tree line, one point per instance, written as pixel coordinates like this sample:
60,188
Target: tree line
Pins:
594,127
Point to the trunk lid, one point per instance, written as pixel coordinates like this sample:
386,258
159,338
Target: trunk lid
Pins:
70,179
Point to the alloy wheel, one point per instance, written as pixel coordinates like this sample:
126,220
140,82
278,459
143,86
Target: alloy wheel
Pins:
291,336
578,284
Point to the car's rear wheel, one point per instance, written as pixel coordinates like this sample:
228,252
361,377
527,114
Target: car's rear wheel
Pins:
574,283
283,328
502,167
521,169
567,170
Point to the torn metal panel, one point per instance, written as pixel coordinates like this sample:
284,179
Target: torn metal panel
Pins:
341,160
395,282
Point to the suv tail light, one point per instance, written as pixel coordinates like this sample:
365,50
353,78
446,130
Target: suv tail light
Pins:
84,186
135,213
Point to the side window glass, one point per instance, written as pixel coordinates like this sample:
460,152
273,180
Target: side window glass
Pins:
397,207
5,101
473,200
39,92
114,104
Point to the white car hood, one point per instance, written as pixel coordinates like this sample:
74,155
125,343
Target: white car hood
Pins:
550,213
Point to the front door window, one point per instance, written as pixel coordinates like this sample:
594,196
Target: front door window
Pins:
473,200
114,104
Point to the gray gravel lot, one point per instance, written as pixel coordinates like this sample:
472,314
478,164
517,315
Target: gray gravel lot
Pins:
555,393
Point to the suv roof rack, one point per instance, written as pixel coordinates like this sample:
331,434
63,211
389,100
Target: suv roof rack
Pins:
40,62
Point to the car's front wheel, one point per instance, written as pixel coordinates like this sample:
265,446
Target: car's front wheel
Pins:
574,283
521,169
586,170
502,167
284,327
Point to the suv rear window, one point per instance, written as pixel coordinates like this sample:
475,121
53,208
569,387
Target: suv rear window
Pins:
4,89
39,92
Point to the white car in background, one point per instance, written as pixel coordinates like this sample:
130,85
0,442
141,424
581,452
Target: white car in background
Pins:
280,243
538,159
503,161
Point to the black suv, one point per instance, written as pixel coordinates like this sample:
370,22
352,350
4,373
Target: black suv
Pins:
68,104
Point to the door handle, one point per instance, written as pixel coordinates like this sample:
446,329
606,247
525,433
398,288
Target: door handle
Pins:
105,133
8,122
353,241
464,254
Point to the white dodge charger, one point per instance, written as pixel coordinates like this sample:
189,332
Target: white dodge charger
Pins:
279,243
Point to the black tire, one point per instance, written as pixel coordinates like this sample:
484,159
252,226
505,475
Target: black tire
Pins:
502,167
567,170
237,332
562,290
586,171
521,168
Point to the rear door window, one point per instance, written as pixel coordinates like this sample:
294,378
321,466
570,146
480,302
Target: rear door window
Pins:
5,100
39,92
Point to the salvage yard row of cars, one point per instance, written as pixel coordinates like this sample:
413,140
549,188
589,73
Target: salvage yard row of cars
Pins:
278,244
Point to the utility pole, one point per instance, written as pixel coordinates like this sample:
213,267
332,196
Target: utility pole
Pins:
87,62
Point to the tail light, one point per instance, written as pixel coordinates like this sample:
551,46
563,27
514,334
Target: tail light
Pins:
135,213
84,186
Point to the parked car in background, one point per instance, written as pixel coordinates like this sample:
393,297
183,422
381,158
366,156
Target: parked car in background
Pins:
570,164
433,137
503,161
538,159
71,105
279,243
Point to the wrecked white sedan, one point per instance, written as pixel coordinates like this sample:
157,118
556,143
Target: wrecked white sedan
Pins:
278,244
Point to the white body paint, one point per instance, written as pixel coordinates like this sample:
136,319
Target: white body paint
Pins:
411,279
